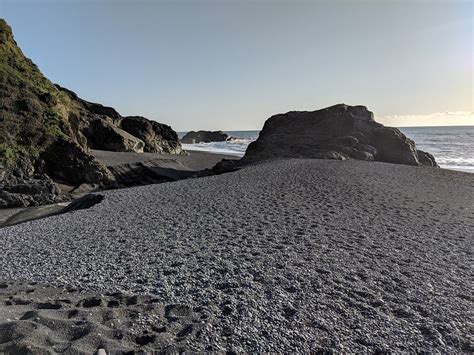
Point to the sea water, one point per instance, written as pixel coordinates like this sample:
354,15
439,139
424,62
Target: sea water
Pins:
452,146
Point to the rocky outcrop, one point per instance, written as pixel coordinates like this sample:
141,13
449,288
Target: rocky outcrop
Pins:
28,185
32,192
426,159
337,132
46,132
66,162
102,134
204,137
90,107
157,137
103,128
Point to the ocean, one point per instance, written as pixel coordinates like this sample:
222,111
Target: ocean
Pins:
452,146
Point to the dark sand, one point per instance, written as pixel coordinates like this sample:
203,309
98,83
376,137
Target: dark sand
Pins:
286,256
134,166
195,160
72,321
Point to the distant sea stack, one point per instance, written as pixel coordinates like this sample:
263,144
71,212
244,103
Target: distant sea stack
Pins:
46,132
337,132
204,137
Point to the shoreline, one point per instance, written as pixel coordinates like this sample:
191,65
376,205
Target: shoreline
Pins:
464,170
442,141
241,154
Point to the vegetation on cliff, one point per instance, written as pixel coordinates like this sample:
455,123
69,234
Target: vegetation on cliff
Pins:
47,130
32,109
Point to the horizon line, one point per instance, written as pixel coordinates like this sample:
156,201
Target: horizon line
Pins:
251,130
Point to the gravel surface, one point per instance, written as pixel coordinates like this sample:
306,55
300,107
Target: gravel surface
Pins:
291,255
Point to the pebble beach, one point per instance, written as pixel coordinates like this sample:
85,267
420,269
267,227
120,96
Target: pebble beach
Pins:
291,255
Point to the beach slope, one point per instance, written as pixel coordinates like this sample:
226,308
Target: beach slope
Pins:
290,255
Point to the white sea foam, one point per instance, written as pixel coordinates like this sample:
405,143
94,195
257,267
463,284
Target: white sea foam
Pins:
234,146
453,147
219,147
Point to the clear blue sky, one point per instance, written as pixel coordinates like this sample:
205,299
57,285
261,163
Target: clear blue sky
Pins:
232,64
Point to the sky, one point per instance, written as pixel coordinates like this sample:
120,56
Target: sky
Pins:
229,65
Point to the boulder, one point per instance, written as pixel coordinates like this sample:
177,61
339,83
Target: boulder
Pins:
157,137
66,162
33,192
426,159
102,134
204,137
336,132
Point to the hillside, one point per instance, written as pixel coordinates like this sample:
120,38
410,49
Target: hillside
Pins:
47,131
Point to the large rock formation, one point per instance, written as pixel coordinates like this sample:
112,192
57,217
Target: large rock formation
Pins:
35,134
204,137
104,135
101,127
158,137
46,132
336,132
